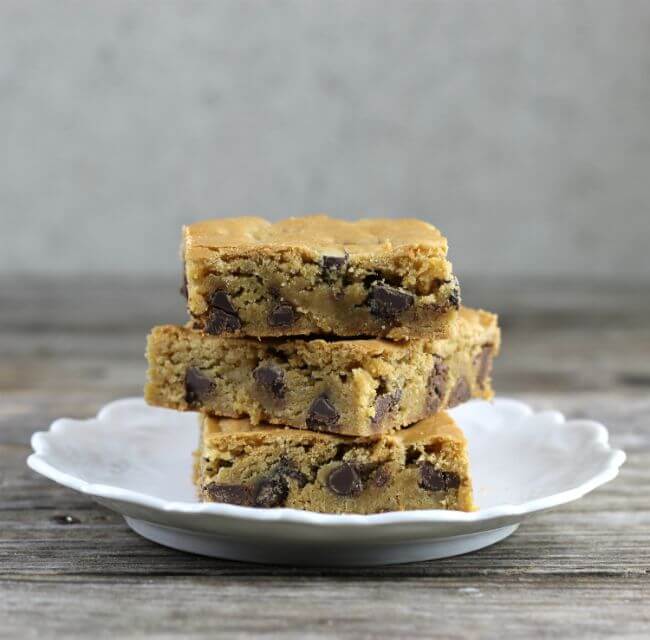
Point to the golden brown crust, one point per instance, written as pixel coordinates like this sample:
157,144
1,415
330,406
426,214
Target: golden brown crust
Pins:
313,235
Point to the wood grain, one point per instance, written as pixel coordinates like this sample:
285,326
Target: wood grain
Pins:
71,568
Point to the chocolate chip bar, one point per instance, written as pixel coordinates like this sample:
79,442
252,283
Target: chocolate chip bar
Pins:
352,387
422,467
318,275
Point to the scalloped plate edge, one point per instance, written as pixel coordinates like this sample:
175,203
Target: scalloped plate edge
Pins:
615,458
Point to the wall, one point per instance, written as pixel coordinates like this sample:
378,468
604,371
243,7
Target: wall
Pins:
522,129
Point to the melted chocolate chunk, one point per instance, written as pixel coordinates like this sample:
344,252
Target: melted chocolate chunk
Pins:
282,315
271,378
220,300
384,404
197,386
271,492
335,263
222,316
287,468
436,386
322,414
434,480
386,302
344,480
230,493
460,393
483,364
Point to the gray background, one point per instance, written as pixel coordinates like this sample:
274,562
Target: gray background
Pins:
522,129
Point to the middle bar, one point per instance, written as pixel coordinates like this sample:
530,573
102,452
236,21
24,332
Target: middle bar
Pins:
351,387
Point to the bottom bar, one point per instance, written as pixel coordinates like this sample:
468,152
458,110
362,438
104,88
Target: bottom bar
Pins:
424,466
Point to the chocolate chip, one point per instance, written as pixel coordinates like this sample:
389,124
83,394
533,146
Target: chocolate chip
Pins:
382,477
287,468
271,492
434,480
436,386
230,494
384,404
454,298
271,378
460,393
220,322
483,362
222,316
322,414
282,315
386,302
344,480
334,263
220,300
197,386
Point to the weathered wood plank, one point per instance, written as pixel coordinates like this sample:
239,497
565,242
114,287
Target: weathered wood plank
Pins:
299,607
99,543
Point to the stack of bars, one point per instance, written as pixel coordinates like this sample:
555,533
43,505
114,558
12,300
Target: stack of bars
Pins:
321,355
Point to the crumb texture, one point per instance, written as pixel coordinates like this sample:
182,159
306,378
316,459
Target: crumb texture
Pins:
350,387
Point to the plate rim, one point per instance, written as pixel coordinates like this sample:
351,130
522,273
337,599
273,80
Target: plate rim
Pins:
600,438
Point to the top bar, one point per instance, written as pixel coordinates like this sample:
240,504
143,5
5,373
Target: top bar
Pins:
319,275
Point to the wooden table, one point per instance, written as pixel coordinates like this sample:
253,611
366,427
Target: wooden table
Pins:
72,568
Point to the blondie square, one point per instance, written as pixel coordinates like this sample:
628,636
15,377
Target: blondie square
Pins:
352,387
422,467
319,276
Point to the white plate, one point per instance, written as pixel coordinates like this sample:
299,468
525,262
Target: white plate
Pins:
136,460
